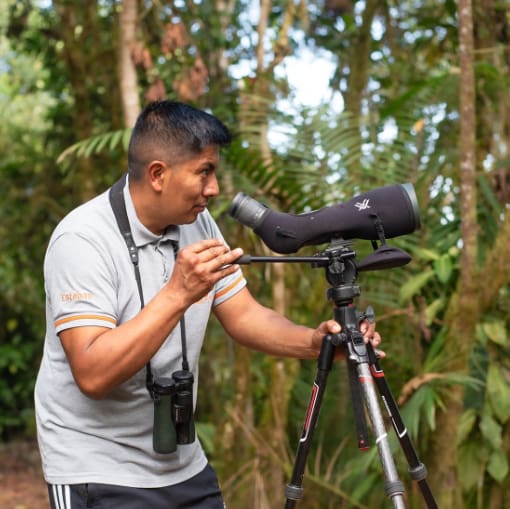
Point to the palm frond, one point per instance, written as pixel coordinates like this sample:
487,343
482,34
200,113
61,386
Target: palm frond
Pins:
97,144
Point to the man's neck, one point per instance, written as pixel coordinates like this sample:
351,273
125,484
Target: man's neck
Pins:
145,204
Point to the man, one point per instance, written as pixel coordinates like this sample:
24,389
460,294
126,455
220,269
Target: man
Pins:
109,340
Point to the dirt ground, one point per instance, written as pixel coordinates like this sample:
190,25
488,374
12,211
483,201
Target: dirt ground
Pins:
21,482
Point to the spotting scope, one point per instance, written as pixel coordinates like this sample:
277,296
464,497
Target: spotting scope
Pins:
386,212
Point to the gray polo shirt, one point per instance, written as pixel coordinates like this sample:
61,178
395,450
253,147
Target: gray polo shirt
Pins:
89,280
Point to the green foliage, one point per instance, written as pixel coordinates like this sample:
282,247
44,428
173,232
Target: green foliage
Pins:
61,140
102,143
483,442
18,363
24,231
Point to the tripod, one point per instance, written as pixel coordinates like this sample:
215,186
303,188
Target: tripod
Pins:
365,373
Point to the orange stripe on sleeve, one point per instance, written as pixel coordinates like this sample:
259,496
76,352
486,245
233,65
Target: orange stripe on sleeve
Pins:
228,288
85,317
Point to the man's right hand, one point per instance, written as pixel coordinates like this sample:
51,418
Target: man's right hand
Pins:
200,266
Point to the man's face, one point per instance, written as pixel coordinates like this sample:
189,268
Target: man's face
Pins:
188,185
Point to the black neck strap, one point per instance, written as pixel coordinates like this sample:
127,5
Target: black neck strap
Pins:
119,209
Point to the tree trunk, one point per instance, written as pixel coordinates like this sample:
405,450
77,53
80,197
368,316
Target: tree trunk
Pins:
360,60
282,372
359,65
127,71
83,16
464,308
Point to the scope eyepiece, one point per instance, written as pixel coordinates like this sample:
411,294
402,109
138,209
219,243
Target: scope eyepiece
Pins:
247,210
410,194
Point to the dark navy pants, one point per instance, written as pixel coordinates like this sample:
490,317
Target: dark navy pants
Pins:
200,492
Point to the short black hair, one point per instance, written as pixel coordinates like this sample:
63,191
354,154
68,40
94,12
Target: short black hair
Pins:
170,130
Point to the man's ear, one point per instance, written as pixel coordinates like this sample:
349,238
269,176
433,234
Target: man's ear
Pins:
155,173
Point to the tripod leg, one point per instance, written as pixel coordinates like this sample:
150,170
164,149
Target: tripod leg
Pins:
357,354
294,490
417,469
360,422
394,487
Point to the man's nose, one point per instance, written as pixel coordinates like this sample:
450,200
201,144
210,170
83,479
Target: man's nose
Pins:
212,187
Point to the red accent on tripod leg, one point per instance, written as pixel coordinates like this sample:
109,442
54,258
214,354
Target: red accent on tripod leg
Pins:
311,406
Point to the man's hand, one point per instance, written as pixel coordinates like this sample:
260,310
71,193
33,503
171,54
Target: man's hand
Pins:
367,328
200,266
332,327
329,327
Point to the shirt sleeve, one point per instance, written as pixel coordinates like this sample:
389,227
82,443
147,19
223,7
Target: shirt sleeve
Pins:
228,287
80,283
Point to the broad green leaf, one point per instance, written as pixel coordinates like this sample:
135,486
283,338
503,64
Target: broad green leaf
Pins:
496,332
498,390
471,459
491,431
498,465
433,309
413,285
443,268
466,425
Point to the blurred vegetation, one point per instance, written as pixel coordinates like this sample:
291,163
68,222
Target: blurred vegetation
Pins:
397,78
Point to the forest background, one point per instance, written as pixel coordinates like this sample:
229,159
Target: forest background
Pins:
419,92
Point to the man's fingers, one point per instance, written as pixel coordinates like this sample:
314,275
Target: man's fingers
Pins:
212,253
203,245
204,250
375,339
367,328
380,354
333,327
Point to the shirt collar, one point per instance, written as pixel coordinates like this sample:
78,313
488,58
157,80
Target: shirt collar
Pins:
141,234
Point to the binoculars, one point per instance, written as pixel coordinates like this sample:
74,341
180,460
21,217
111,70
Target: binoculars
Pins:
173,412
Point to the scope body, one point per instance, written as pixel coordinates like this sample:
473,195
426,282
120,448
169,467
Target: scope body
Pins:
390,211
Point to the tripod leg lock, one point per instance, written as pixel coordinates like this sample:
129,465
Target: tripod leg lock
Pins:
418,473
394,488
294,492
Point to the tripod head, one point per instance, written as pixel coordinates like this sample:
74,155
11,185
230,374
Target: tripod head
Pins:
341,269
341,272
339,262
